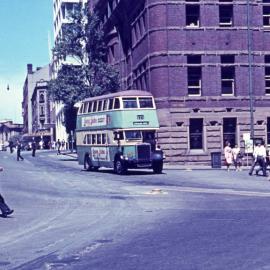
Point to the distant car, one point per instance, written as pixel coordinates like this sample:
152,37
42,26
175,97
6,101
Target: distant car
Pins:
26,145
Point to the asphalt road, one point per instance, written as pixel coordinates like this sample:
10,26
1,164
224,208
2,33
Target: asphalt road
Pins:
67,218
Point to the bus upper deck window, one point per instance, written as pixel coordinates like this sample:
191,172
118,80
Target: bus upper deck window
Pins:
81,109
95,106
99,105
116,103
105,104
90,107
146,102
85,107
130,103
110,103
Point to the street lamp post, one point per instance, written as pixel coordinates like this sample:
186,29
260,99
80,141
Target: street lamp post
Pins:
250,73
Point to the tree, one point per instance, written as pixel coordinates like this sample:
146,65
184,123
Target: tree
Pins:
82,52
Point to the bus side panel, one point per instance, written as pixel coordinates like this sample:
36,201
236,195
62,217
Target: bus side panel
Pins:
100,156
118,119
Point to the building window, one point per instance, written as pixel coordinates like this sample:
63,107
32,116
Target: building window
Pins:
266,16
227,75
196,133
267,74
42,111
229,131
268,130
192,15
226,15
41,98
194,74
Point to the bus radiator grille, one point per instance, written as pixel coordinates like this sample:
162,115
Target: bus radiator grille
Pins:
143,152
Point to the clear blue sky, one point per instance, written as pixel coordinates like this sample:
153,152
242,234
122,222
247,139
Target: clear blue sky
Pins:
24,29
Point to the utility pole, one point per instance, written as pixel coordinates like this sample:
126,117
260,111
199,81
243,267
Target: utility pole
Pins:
250,69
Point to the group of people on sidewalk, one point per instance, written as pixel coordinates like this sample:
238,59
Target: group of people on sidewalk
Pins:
261,158
233,156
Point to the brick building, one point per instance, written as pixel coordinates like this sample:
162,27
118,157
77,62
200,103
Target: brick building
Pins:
193,56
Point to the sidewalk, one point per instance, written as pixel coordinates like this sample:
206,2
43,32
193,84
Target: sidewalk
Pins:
170,166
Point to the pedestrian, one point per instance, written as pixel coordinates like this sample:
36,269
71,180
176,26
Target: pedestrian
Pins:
11,145
228,155
34,147
6,211
63,143
237,157
19,148
41,144
259,158
58,143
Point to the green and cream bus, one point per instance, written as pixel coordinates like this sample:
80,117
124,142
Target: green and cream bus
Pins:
119,131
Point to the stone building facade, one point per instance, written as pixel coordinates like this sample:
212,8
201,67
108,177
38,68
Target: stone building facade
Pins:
33,77
196,58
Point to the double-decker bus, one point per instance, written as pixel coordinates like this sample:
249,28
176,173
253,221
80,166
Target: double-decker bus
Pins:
119,131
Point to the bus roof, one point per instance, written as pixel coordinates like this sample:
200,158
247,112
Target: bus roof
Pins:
127,93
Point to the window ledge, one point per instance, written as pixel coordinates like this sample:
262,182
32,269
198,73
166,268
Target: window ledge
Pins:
196,152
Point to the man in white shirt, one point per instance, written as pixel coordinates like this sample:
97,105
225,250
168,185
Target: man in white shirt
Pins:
259,155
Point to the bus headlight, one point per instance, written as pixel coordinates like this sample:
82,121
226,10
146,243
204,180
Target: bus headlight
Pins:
125,157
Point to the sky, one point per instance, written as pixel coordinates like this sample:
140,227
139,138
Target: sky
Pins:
25,27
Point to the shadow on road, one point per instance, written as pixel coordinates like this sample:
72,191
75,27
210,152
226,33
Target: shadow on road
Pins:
129,172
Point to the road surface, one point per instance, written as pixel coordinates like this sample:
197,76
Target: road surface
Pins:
68,218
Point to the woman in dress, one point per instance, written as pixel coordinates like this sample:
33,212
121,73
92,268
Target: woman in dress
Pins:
228,155
237,156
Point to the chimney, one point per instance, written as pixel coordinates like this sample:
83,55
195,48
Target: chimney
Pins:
29,68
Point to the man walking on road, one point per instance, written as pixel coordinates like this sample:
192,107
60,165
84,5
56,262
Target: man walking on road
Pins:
6,211
259,155
34,147
19,148
58,143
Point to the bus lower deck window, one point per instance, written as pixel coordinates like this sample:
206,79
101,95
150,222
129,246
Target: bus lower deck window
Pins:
103,139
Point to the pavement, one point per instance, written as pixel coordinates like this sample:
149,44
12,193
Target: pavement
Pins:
173,166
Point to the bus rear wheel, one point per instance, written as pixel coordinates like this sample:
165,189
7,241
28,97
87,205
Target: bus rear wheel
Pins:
119,167
88,163
157,167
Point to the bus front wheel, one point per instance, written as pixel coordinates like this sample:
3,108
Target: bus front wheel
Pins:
157,167
119,167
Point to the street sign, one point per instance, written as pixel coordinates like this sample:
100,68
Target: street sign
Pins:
248,143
